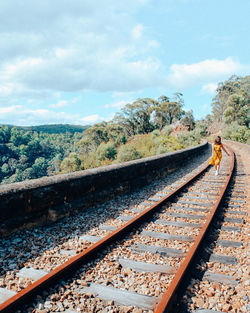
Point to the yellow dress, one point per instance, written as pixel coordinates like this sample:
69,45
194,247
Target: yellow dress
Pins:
217,155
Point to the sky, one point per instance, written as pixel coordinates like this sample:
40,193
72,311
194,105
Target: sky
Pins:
80,61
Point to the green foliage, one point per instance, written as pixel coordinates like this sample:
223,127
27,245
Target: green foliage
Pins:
188,119
237,133
188,139
28,155
71,163
166,111
128,153
232,101
54,128
142,128
167,130
201,127
106,151
231,106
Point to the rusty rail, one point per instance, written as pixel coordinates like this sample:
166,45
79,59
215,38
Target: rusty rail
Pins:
169,301
73,263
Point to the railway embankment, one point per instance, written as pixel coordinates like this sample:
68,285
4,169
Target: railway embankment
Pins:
48,199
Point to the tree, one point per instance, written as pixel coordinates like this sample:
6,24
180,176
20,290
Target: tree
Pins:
232,101
237,110
135,118
106,151
71,163
4,134
40,167
188,119
167,111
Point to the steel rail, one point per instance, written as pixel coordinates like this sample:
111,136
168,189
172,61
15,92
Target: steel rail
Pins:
74,262
169,300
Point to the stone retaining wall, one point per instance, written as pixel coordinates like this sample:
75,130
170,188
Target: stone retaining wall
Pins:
50,198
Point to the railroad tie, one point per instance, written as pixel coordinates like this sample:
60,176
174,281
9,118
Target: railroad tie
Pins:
145,204
156,199
29,272
137,210
90,238
231,228
224,259
146,267
185,197
195,203
220,278
120,297
168,252
230,205
5,294
229,243
165,236
182,215
232,199
107,227
176,207
177,224
125,218
210,194
234,220
67,252
237,212
205,311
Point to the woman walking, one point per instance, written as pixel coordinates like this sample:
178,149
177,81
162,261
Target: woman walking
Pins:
217,154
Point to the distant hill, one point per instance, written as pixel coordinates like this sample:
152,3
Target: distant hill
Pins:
54,128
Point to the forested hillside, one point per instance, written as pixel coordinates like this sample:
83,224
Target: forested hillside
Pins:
28,154
54,128
143,128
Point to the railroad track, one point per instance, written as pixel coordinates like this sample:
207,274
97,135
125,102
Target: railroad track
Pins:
141,261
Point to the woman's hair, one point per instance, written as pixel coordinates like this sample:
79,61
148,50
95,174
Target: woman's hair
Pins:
217,140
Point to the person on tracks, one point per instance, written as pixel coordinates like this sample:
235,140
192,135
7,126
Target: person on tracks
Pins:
217,154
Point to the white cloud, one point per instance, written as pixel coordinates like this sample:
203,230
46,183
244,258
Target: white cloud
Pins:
117,104
186,75
137,31
91,118
153,43
59,104
23,116
64,103
48,47
120,94
209,88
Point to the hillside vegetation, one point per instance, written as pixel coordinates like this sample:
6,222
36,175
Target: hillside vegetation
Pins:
231,108
29,154
53,128
143,128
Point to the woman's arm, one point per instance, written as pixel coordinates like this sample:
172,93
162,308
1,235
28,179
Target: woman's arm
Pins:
224,149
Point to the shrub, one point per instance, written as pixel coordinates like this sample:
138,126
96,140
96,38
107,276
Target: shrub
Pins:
106,151
71,164
167,130
128,153
188,139
237,133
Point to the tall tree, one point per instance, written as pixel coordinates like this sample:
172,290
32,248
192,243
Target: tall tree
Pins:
232,100
166,111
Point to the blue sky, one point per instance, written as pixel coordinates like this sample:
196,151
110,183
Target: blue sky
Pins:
80,61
